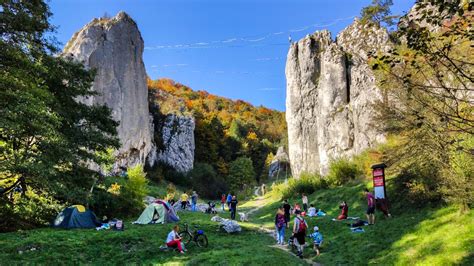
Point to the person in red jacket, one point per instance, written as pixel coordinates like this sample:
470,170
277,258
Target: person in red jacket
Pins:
344,211
223,200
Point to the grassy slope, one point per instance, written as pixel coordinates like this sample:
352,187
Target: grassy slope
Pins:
138,244
425,236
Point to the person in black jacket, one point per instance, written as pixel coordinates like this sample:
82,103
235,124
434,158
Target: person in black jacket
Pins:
233,207
287,208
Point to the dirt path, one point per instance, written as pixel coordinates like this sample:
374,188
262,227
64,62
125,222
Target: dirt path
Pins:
260,203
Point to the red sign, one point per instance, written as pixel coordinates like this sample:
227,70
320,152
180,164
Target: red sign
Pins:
378,181
378,172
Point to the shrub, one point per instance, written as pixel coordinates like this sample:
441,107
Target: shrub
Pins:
307,183
134,190
343,170
27,212
418,183
206,182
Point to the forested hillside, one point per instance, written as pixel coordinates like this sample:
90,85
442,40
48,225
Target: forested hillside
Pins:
233,139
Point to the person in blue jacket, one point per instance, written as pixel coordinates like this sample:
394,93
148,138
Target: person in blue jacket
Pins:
317,239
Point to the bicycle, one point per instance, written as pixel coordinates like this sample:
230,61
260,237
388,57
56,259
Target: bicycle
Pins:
197,236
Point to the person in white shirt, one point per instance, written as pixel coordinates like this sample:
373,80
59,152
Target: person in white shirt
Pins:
305,202
311,211
174,240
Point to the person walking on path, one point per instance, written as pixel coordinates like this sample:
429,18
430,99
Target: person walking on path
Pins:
299,232
280,225
263,189
223,200
233,207
184,200
174,240
229,198
287,208
370,207
304,198
194,199
317,240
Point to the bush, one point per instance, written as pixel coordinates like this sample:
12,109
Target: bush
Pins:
206,182
27,212
134,190
419,184
307,183
343,170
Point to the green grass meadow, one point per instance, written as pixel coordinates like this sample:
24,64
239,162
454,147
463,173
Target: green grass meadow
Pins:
426,236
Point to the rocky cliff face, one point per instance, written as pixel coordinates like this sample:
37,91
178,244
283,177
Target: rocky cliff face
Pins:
114,48
177,136
330,92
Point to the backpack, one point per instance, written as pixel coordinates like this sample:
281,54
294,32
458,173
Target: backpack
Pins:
302,226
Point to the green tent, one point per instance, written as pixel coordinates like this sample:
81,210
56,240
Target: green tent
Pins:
153,213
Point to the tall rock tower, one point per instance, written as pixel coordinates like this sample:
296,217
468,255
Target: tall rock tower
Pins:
330,93
114,48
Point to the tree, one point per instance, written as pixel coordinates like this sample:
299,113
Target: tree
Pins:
429,93
379,13
46,135
241,174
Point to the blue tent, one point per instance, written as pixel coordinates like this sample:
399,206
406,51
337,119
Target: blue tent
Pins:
76,216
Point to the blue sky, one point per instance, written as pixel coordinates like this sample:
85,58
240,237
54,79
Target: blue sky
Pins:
235,49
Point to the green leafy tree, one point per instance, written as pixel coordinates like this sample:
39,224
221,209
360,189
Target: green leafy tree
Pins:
46,135
206,182
379,13
134,190
428,84
241,174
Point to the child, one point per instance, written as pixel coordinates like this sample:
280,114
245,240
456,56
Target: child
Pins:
317,240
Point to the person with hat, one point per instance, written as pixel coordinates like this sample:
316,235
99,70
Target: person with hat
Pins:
317,240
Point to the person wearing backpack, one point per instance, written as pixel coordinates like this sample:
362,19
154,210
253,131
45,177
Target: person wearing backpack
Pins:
299,232
280,224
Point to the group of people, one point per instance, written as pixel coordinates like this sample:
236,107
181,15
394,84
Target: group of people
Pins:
370,213
282,221
185,201
231,202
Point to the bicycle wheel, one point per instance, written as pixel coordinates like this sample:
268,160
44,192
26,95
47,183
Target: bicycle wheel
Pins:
201,241
186,236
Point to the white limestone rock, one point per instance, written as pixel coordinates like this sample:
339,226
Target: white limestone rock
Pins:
114,48
330,96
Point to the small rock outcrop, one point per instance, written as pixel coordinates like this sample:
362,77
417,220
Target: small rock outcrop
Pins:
114,48
330,95
177,139
279,164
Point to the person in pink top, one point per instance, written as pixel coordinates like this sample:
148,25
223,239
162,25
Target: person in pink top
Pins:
371,207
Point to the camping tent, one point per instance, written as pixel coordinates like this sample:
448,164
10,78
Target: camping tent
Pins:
75,216
157,212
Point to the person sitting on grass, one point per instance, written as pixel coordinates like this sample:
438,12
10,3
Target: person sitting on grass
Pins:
174,240
344,211
296,208
317,240
299,232
311,211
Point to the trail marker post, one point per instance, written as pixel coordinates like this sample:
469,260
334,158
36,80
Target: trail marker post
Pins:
378,173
